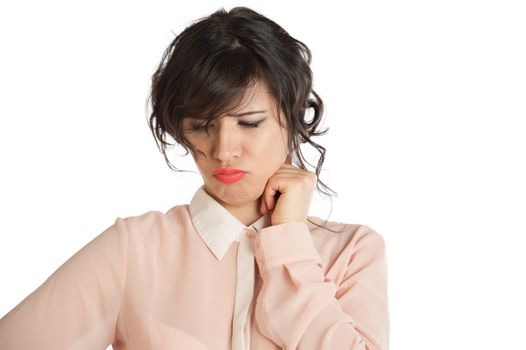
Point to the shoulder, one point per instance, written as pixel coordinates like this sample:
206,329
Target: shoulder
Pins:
155,222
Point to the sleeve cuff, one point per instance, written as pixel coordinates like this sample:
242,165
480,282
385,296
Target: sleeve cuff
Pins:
283,244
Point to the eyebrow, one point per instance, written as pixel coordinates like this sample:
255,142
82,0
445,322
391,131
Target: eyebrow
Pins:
247,113
239,114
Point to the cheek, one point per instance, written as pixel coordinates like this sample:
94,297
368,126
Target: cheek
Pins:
270,152
200,161
197,155
267,147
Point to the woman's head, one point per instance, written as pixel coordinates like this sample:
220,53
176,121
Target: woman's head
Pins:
250,138
213,69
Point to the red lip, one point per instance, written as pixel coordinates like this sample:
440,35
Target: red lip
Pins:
227,171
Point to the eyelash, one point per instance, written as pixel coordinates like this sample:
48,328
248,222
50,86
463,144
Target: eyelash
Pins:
201,127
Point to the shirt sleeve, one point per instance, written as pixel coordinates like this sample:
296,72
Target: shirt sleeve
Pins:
77,307
297,308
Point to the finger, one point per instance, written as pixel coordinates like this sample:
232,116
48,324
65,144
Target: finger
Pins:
262,206
269,196
275,200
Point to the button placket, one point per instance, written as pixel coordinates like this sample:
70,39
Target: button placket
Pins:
245,264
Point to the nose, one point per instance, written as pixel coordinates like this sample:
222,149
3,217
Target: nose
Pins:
225,142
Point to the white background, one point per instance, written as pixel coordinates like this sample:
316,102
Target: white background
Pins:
426,104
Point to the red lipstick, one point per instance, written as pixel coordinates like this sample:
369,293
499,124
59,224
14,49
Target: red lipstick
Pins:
229,175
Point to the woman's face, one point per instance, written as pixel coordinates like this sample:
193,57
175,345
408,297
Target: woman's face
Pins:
232,143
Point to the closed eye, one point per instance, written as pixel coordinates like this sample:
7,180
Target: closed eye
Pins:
200,127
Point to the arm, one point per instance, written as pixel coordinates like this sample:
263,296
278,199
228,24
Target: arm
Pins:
298,308
78,305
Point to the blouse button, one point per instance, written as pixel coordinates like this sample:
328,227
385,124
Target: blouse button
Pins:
250,234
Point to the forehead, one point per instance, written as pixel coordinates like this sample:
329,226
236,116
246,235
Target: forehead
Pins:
255,96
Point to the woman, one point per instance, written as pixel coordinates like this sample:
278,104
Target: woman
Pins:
242,265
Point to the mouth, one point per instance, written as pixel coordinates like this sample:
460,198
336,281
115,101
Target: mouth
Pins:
228,171
229,175
230,178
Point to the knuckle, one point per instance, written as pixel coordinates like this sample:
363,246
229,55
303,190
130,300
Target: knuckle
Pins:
310,178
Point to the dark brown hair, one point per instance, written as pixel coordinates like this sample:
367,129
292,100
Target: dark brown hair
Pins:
208,67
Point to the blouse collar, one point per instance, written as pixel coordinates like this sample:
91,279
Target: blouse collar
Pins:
216,225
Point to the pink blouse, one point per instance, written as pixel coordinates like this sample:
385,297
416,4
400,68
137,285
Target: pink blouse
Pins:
197,278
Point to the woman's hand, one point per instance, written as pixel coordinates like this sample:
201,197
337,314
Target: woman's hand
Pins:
288,194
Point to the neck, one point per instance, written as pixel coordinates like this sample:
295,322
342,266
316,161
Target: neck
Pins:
246,214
